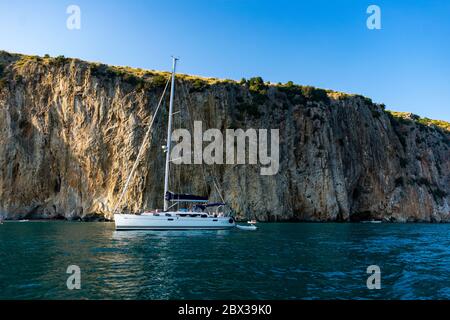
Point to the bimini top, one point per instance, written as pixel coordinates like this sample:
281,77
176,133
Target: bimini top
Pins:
174,197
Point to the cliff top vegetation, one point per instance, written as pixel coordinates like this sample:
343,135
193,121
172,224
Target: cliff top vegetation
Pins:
256,85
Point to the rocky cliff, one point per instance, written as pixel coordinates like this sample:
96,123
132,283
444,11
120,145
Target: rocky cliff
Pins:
70,132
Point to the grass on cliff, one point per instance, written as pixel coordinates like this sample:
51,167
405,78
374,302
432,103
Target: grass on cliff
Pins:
409,118
147,79
255,85
301,94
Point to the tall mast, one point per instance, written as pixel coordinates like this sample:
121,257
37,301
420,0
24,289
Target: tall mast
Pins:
169,135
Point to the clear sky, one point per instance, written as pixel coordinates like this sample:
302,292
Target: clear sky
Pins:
324,43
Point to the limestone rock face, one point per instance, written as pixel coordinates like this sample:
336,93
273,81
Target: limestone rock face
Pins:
71,130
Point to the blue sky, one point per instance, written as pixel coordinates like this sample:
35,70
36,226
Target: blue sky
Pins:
324,43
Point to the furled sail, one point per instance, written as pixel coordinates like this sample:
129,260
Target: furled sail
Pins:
209,205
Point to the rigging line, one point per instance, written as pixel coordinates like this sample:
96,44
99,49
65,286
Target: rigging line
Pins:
178,120
141,150
217,189
176,169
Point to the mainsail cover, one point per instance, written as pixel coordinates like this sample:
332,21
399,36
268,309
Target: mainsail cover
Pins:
208,205
175,197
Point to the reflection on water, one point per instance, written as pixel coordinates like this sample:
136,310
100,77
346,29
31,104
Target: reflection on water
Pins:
163,234
279,261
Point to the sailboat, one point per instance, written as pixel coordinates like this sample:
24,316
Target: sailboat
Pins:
199,216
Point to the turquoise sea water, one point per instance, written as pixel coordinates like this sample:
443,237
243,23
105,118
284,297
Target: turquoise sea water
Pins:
279,261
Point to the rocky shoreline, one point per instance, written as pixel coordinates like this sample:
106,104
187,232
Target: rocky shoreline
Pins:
99,218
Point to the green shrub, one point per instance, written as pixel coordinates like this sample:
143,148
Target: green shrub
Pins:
256,84
434,123
289,84
159,80
111,72
424,124
115,72
103,70
131,79
314,94
60,60
95,70
258,89
293,92
300,94
2,69
198,85
228,81
366,100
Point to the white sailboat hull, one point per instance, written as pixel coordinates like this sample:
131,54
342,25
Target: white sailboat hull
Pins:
151,222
